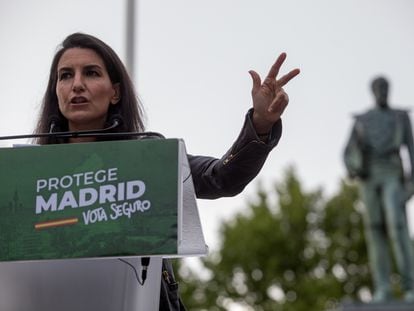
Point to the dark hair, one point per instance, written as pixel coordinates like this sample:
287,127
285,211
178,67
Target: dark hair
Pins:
128,108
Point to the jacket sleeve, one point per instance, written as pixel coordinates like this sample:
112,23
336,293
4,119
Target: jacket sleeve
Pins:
228,176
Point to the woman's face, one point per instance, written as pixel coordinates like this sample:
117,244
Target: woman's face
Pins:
84,89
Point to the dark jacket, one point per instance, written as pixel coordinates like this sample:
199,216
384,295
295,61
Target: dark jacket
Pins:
214,178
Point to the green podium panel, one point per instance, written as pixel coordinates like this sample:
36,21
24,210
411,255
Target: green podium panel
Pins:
102,199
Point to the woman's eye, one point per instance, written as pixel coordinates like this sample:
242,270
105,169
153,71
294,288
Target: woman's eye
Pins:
65,75
92,73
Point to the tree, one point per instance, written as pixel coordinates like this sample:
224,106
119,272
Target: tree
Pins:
302,253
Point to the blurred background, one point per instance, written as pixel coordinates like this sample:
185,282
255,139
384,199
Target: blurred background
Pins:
191,71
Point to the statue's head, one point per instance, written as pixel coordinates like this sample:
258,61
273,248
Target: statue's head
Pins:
379,87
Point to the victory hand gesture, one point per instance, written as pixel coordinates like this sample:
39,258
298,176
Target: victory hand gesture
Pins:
269,98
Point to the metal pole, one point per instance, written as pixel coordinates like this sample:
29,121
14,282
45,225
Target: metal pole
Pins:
130,37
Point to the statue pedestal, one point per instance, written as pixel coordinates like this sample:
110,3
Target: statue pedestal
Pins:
389,306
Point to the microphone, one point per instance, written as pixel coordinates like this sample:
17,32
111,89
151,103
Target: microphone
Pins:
145,261
53,123
113,121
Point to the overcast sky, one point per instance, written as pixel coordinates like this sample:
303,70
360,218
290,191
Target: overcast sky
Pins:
193,59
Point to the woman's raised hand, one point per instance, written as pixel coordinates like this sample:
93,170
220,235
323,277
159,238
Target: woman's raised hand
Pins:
269,98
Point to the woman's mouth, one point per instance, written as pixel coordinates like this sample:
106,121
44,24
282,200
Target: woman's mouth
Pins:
78,100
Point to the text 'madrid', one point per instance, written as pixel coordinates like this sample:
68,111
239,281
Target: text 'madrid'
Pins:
85,189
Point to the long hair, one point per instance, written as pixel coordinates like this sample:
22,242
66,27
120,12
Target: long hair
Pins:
128,107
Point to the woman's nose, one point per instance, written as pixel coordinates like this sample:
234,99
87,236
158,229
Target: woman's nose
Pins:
78,83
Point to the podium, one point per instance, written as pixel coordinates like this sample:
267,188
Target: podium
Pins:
75,219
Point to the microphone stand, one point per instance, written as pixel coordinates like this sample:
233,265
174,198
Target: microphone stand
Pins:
88,133
116,121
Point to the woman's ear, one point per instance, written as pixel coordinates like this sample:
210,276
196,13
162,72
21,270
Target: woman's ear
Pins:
117,94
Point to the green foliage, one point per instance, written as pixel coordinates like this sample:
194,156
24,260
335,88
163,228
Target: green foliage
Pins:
302,253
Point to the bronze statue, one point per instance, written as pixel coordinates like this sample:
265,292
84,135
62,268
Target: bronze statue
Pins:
372,155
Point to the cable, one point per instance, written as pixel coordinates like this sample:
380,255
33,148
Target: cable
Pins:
144,264
135,271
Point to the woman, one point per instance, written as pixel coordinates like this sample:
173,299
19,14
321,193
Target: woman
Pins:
88,85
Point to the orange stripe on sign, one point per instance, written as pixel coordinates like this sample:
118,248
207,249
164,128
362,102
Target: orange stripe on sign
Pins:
56,223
